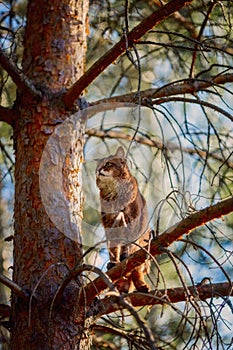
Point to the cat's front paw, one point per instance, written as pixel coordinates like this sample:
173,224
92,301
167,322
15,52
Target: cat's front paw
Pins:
141,285
143,288
111,264
123,285
124,256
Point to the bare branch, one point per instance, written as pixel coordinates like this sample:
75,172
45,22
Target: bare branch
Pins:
187,86
141,29
156,247
21,81
6,115
142,324
156,143
13,286
173,295
199,102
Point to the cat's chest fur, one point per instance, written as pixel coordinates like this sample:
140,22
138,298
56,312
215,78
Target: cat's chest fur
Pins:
116,194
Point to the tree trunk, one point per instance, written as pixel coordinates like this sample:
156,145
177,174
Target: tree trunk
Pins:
54,58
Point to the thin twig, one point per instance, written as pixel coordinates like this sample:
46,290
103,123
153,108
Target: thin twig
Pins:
14,287
193,101
203,48
212,5
75,272
132,337
147,331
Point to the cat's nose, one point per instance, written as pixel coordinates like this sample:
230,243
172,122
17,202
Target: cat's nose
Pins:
101,172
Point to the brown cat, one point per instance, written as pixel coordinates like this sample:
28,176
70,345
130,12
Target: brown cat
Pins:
123,213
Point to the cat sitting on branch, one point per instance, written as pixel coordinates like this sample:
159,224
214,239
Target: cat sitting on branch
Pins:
124,216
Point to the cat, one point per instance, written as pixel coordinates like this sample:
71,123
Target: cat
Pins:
123,214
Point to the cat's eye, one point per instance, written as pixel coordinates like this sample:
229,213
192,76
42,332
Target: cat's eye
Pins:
108,165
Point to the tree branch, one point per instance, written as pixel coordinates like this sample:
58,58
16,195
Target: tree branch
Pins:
135,34
7,115
21,81
14,287
173,295
157,245
134,337
187,86
156,143
194,101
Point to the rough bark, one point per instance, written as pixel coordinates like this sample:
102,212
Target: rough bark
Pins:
54,57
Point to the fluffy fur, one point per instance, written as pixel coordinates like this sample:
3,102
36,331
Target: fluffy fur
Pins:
123,213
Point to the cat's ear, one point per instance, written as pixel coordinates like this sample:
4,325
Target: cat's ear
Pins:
120,153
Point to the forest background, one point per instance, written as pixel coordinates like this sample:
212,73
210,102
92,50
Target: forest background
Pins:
164,92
